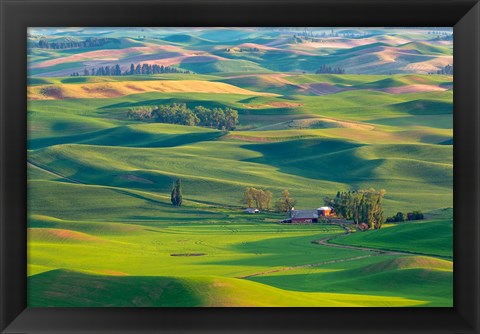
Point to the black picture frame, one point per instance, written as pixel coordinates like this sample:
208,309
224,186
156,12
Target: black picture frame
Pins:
16,16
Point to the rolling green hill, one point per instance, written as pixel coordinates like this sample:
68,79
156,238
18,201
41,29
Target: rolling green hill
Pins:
102,230
378,52
183,292
434,238
223,66
416,277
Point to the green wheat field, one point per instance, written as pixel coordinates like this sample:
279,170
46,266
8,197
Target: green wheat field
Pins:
320,111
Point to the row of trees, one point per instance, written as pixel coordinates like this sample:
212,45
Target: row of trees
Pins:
179,113
323,37
361,206
445,38
139,69
309,35
254,49
441,35
262,199
330,70
90,42
401,217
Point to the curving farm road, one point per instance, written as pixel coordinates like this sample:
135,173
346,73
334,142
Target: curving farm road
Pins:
325,242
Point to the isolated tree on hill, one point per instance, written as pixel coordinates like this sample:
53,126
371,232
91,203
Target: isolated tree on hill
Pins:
176,196
285,203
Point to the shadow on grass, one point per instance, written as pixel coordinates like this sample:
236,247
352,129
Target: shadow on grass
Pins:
316,158
128,137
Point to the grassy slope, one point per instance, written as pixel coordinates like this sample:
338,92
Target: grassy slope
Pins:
111,89
233,246
228,244
417,277
426,237
239,165
380,162
130,167
374,57
181,292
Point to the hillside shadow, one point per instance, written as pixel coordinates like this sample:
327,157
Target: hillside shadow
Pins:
126,136
414,283
424,107
66,288
322,159
283,251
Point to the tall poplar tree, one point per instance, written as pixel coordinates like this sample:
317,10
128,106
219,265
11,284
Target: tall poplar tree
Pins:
177,196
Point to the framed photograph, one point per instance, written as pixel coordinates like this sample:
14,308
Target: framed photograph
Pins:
207,166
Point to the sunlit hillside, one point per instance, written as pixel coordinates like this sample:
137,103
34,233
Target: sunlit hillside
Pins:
117,115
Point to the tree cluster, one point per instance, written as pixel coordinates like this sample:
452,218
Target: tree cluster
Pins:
448,69
445,38
401,217
354,35
311,36
139,69
179,113
439,32
441,35
361,206
330,70
259,197
262,199
285,203
90,42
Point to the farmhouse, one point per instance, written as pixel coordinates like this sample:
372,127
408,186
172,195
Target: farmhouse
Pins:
308,216
325,211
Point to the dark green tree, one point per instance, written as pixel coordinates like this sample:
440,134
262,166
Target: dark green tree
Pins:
176,196
400,217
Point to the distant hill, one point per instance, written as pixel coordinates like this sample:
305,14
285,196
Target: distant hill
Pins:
357,51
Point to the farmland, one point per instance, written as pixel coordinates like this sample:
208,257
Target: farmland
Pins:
102,230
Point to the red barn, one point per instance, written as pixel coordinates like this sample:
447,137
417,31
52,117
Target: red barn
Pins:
304,216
